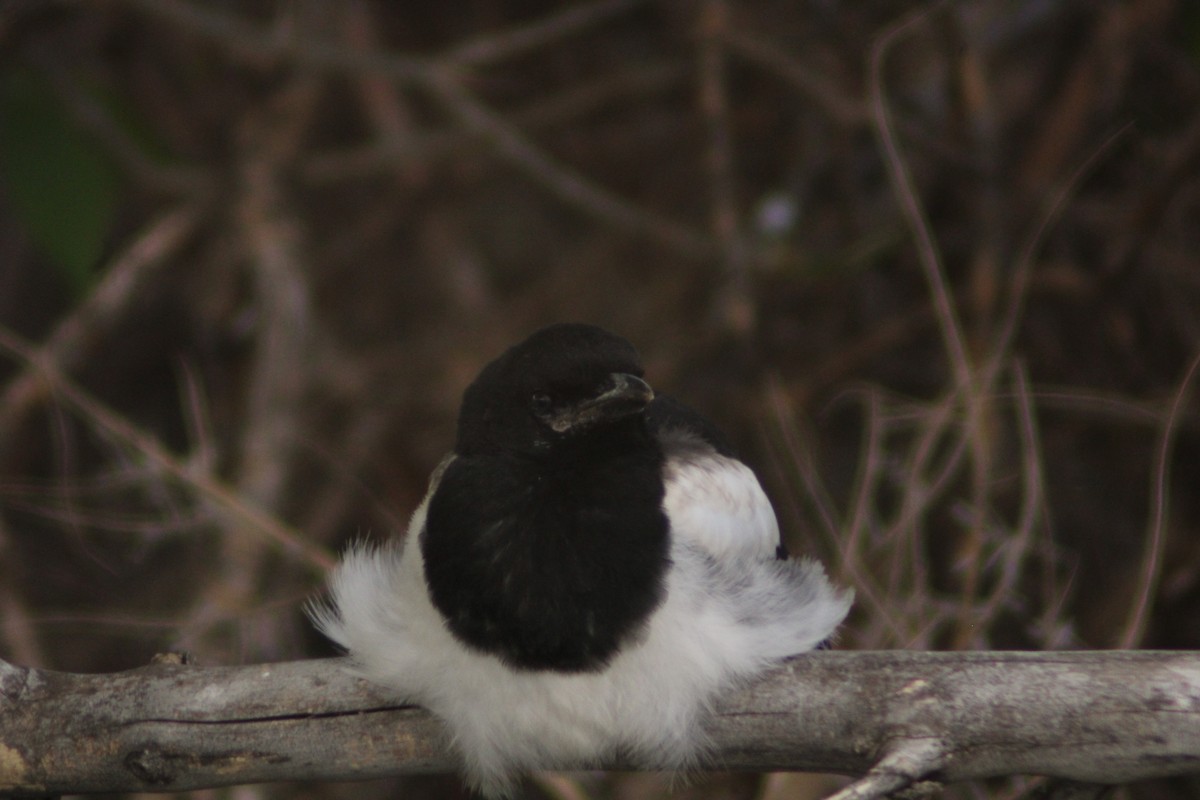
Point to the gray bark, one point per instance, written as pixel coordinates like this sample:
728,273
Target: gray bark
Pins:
896,718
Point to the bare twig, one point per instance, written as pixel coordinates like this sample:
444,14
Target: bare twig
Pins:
506,44
973,435
1135,626
1089,81
735,310
910,203
638,81
1150,211
1022,272
417,151
785,432
281,373
834,101
122,286
18,635
129,435
906,762
250,42
561,181
1017,545
389,111
445,84
130,155
872,470
1110,407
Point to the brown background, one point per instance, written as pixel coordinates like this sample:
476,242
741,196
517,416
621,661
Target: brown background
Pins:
957,357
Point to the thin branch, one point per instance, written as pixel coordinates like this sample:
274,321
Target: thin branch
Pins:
838,104
907,762
132,156
735,305
18,632
872,469
564,183
122,286
1017,544
388,109
1023,269
445,84
249,41
279,377
785,436
910,203
128,434
516,41
1152,209
423,150
1110,407
1135,626
916,500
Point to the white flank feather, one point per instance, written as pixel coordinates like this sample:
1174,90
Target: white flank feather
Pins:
731,610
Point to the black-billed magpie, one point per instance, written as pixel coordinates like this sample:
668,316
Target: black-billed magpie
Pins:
589,569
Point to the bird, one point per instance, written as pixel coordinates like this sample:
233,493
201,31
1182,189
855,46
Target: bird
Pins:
590,569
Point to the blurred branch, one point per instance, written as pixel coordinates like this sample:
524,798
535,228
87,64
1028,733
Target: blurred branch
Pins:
735,311
910,202
1097,74
1017,543
1135,625
903,719
441,78
567,185
564,183
841,105
18,633
1111,407
833,100
386,106
125,432
285,362
122,286
516,41
969,393
144,168
1022,272
253,43
421,150
1149,213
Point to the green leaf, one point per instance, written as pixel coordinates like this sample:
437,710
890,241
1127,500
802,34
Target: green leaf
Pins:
58,180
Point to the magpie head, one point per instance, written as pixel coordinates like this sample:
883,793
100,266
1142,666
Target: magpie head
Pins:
563,383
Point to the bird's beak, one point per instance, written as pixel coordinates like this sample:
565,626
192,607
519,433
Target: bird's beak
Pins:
625,395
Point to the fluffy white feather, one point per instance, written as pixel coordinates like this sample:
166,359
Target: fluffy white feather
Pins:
730,611
718,504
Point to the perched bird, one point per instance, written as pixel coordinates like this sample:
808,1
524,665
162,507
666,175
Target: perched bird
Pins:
590,568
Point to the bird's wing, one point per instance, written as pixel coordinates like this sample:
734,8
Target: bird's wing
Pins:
716,503
712,499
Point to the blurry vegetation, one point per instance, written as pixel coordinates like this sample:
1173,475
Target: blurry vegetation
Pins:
935,268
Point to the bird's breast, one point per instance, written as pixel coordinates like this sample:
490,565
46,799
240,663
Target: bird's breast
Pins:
553,571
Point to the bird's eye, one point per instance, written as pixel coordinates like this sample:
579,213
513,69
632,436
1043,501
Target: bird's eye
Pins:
541,402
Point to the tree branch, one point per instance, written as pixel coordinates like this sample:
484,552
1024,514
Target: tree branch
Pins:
442,78
897,717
